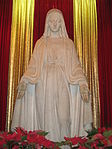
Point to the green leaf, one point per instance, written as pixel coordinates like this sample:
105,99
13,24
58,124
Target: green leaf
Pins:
4,145
90,140
88,145
107,133
68,142
59,144
100,144
29,147
93,132
24,138
55,147
43,133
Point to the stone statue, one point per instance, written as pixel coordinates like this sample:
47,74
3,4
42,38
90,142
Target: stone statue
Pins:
53,93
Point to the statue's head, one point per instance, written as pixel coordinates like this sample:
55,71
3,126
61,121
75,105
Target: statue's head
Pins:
55,23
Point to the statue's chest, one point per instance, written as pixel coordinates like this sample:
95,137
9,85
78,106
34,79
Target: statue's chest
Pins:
55,51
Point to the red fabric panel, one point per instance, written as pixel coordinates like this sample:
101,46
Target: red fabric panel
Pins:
41,9
5,30
104,10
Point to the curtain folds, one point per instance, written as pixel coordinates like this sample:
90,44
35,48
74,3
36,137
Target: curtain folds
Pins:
104,11
20,49
5,30
85,38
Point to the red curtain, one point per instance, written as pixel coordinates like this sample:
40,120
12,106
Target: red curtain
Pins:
5,30
104,10
41,9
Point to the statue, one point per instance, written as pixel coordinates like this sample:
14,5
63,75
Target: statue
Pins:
53,93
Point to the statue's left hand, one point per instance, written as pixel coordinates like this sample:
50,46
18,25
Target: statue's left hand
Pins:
84,93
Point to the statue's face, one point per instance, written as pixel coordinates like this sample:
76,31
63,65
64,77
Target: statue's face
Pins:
54,22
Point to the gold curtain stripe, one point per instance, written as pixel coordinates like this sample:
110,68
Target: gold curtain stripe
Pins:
85,38
20,49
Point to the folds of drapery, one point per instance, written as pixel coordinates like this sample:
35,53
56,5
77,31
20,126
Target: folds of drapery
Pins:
52,91
5,30
20,48
104,11
85,38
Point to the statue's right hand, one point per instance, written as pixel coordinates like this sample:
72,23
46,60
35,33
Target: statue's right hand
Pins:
21,89
20,94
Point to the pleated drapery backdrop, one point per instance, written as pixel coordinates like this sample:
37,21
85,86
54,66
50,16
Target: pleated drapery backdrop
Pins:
5,30
20,48
104,10
85,38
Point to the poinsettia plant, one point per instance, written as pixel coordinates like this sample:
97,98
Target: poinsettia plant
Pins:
97,138
22,139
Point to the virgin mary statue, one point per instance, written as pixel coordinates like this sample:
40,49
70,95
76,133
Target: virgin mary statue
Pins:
53,93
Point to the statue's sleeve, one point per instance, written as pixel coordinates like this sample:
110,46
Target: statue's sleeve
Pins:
33,71
74,70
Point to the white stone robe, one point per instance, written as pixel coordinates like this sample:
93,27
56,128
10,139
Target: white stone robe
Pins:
52,100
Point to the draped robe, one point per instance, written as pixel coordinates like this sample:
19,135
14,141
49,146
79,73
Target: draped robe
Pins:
52,100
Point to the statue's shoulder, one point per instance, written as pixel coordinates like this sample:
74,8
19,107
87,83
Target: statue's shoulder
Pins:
40,41
69,42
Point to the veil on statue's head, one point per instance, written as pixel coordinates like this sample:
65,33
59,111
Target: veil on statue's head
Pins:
62,30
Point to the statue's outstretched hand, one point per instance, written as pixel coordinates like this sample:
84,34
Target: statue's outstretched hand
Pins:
84,93
21,89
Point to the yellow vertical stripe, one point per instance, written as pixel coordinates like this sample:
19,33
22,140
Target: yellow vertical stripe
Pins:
20,49
85,38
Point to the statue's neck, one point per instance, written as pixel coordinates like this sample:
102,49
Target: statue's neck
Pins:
54,34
